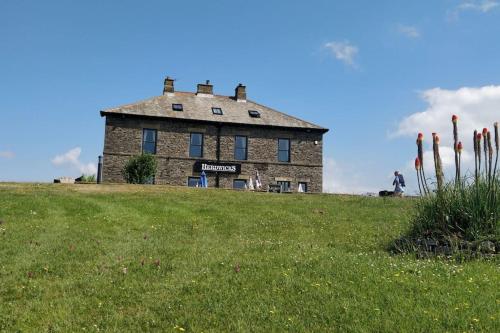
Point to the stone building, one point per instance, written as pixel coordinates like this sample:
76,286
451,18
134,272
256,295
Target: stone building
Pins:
231,138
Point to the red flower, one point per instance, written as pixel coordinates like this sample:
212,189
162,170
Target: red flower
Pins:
485,131
460,147
417,163
478,137
420,137
454,118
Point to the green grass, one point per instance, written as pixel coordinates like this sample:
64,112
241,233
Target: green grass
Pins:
310,263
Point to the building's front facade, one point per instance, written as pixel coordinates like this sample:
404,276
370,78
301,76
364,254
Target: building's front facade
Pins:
231,138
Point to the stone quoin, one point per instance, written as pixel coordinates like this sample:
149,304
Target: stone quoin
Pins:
232,137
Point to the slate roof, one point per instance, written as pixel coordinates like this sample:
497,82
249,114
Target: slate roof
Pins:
199,108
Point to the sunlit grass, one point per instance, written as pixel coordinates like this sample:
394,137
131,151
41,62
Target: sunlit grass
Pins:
153,258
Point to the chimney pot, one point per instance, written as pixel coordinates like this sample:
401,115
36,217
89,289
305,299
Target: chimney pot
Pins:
205,88
240,94
168,85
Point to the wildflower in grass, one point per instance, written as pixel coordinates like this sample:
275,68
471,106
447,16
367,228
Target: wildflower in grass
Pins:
237,268
157,262
124,270
30,275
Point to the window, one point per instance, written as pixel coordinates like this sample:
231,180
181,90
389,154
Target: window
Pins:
177,107
148,141
304,186
239,184
193,181
196,145
217,111
254,114
285,186
284,150
240,147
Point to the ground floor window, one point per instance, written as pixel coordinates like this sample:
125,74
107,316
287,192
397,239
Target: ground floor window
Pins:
239,183
303,185
193,181
285,186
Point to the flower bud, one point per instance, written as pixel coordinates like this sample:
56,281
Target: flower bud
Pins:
454,118
417,164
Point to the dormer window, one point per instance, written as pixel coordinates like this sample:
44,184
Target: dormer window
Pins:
177,107
254,114
217,111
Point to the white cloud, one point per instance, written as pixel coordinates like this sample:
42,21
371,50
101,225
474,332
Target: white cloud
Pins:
483,6
71,159
408,31
7,154
343,51
475,107
338,178
480,6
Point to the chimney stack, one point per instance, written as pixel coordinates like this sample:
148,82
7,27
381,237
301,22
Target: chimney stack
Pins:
168,86
240,93
205,89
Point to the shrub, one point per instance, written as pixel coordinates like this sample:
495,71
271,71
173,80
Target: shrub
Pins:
140,169
88,178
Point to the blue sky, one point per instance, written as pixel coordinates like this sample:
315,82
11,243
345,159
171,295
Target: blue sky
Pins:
366,70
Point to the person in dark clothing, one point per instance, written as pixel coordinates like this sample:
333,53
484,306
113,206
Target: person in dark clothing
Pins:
399,184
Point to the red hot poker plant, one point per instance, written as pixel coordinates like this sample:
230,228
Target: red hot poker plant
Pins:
421,172
454,120
417,168
497,147
485,149
478,145
437,162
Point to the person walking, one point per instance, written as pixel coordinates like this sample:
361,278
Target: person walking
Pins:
399,184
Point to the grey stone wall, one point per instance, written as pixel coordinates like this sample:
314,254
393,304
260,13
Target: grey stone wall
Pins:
123,139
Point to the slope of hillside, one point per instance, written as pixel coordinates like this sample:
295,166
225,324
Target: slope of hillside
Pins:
154,258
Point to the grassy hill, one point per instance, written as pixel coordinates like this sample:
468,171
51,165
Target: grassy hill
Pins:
152,258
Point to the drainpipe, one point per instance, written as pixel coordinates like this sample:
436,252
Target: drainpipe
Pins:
99,170
217,153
